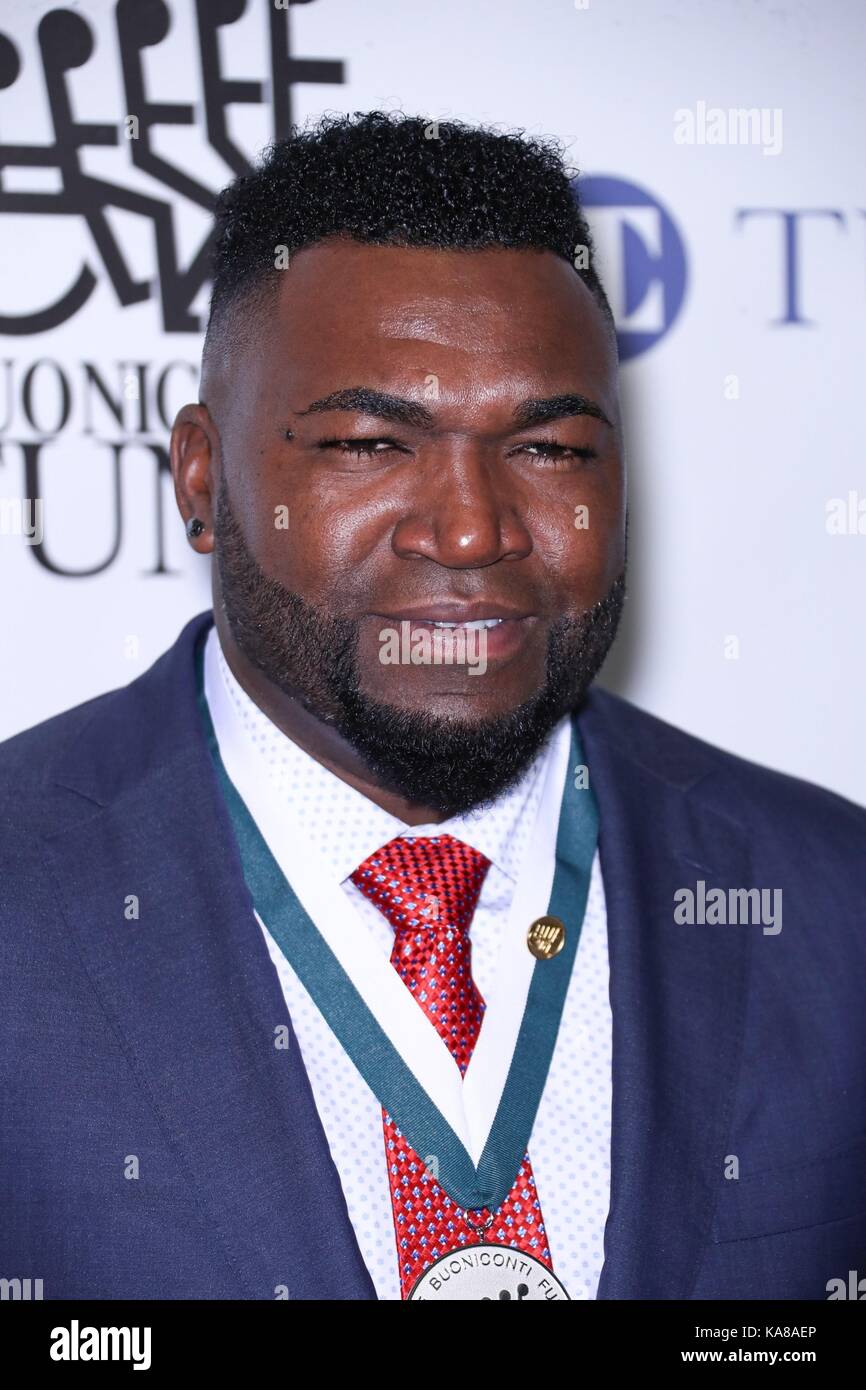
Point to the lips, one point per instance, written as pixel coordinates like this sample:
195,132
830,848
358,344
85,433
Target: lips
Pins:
502,628
477,625
457,614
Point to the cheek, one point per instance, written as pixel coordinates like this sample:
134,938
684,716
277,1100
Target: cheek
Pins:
319,548
579,543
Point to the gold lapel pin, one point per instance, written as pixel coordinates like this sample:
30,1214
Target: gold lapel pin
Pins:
546,937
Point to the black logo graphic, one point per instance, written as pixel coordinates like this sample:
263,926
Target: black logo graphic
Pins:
504,1295
66,41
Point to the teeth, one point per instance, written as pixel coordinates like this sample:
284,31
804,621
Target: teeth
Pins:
477,624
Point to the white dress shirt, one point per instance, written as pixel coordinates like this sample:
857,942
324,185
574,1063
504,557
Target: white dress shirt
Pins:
319,830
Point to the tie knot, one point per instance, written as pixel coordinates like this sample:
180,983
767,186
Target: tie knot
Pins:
426,881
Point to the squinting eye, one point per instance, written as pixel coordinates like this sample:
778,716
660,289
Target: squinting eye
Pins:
360,448
548,448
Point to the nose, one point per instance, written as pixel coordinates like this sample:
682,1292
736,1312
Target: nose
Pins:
464,513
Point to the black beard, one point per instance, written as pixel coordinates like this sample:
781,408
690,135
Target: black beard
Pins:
441,763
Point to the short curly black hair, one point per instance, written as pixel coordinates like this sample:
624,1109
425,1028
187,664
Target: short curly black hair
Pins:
389,179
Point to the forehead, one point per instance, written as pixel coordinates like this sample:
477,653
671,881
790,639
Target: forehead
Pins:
488,325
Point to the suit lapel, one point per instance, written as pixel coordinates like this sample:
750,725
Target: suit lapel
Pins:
191,992
677,998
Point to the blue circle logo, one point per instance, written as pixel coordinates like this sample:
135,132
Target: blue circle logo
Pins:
640,258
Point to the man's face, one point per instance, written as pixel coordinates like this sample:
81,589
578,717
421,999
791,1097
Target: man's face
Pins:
474,492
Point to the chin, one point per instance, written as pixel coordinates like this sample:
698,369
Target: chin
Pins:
452,707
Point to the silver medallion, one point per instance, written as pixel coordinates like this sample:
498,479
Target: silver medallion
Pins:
489,1273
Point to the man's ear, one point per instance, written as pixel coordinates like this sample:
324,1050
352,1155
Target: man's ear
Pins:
195,463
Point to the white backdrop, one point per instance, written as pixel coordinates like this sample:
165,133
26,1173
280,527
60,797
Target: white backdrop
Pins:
746,618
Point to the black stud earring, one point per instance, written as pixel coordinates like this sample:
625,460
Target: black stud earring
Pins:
194,527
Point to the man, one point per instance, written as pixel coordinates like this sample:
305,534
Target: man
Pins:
305,931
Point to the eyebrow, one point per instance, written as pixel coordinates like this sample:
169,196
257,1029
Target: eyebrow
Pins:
403,411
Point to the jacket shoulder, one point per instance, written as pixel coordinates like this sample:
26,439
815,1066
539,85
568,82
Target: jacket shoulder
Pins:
100,747
748,792
26,757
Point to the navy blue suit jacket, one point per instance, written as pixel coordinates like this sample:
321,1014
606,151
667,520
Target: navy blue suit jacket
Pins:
147,1045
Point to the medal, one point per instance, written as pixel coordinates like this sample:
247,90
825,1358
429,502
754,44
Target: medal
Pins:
487,1274
473,1184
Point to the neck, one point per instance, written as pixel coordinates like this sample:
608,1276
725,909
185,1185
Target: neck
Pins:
320,740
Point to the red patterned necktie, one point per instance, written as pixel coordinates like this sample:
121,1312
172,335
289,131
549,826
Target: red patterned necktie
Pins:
428,889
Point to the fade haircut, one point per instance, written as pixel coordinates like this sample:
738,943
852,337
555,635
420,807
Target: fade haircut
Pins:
387,179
